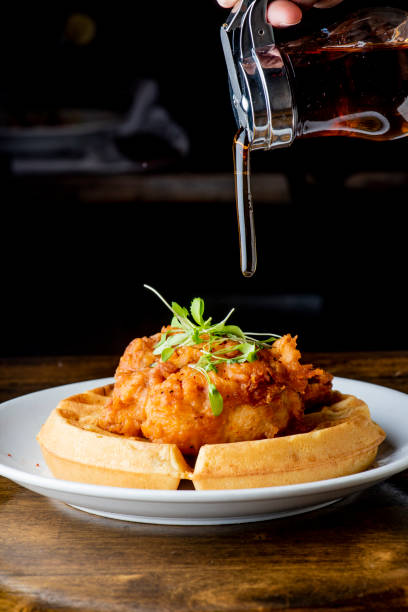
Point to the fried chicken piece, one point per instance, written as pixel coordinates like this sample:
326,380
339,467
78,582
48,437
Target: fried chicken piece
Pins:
168,402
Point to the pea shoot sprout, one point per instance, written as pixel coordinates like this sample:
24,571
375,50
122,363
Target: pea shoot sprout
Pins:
189,328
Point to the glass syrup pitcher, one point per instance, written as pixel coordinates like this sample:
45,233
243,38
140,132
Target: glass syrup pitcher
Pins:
347,80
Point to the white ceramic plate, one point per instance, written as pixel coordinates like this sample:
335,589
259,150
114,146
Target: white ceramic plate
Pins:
21,461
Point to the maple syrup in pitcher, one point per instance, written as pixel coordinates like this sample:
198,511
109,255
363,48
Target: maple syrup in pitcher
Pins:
356,91
349,81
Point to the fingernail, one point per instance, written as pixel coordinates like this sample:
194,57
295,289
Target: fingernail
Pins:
288,25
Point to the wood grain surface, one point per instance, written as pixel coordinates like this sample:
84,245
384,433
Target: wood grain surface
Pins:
351,556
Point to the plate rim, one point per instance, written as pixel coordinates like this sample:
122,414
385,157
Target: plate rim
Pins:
306,489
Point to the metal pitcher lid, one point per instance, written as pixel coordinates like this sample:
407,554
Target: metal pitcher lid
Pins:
260,90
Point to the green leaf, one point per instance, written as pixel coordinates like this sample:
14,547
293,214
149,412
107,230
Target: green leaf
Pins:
173,340
234,330
167,353
217,328
197,310
175,322
179,310
216,401
248,352
176,339
196,337
161,341
245,347
200,363
251,356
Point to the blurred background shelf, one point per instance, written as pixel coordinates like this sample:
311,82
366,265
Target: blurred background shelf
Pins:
191,188
194,188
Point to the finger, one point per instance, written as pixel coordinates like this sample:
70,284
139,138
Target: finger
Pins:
227,3
327,3
283,13
280,13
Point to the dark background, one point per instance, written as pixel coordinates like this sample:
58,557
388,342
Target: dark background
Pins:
77,246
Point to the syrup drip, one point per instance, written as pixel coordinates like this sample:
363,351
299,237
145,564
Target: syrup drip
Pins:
243,197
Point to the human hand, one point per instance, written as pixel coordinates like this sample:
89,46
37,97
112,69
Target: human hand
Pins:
284,13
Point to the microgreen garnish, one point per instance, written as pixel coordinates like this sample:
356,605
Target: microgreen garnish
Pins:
210,336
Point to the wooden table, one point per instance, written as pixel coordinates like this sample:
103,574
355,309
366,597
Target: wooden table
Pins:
350,556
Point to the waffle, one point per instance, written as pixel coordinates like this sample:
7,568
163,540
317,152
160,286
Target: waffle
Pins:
341,439
337,440
75,448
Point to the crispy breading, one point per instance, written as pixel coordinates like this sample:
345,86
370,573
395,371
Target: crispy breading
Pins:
168,402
